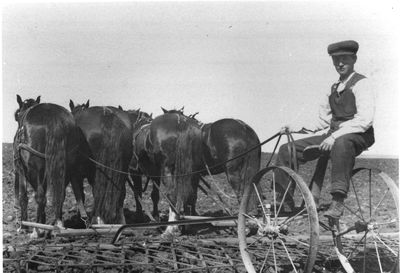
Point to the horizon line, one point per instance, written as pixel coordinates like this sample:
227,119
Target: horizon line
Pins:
378,156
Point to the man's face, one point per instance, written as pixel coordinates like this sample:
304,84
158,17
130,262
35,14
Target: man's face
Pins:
344,64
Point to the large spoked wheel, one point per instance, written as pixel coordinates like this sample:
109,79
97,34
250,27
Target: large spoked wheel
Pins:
274,237
368,232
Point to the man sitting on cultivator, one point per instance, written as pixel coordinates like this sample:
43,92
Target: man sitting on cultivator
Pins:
348,111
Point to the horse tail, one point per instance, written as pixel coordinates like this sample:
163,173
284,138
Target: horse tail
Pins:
254,157
109,189
185,182
56,163
253,163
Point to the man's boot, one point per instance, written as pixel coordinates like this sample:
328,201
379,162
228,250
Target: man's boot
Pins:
336,208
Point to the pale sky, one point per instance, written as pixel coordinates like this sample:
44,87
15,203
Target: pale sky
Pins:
262,62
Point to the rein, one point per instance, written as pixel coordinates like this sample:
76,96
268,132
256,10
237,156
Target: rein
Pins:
208,168
226,161
28,148
199,171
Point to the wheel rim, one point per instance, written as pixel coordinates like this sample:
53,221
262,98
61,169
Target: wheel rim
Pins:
281,241
372,210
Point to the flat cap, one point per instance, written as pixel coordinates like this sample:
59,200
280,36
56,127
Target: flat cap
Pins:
343,48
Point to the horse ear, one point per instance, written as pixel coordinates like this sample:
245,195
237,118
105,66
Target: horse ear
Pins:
120,107
151,115
38,99
165,111
71,105
19,100
87,104
183,107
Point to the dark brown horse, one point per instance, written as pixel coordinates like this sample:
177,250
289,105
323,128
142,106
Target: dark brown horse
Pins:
226,146
108,131
228,139
232,147
139,121
172,144
48,148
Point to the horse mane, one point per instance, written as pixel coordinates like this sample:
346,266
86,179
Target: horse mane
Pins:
180,112
24,106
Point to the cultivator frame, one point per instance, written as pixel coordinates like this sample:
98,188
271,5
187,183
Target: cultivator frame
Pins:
180,255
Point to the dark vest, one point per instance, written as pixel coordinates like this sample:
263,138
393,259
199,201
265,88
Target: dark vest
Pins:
343,105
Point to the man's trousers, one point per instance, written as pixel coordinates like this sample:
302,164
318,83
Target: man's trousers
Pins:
344,151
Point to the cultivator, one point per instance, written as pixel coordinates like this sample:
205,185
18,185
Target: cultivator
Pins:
181,255
136,252
184,254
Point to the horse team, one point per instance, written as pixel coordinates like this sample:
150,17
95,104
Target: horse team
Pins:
110,147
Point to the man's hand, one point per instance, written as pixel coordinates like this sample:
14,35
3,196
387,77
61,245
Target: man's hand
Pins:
291,129
327,144
285,129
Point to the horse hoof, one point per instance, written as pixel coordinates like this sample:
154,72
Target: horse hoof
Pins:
59,224
22,230
170,235
167,236
36,234
99,221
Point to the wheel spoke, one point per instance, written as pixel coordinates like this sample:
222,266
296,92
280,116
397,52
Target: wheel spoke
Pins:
252,218
266,256
290,219
293,239
287,252
380,202
370,194
356,244
259,198
258,239
355,213
273,254
358,202
376,236
282,201
378,256
365,253
274,196
257,254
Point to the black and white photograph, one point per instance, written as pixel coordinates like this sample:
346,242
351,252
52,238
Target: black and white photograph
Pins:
200,136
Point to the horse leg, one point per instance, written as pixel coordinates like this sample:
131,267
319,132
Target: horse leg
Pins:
58,201
155,197
190,205
171,230
16,191
170,182
121,209
23,200
234,179
41,200
77,188
137,191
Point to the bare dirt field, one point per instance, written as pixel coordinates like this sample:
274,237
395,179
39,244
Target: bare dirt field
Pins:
20,242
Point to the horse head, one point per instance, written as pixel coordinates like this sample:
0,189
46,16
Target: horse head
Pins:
139,118
79,107
24,105
173,111
180,112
